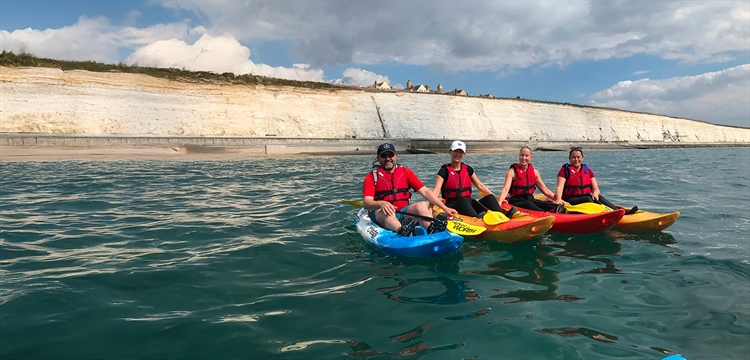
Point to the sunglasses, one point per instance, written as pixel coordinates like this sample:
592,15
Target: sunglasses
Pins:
387,155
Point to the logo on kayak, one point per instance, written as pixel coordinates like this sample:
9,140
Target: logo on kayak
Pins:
459,227
372,231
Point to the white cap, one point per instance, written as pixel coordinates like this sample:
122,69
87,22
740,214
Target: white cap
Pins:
458,144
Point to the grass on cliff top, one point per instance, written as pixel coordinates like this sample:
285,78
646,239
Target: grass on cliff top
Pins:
8,58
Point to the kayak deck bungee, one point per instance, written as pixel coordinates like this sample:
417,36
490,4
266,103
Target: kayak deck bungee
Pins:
439,244
516,229
647,221
578,223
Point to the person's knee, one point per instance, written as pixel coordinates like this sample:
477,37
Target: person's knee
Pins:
490,201
420,208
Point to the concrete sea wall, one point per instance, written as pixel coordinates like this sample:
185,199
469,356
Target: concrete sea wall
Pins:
51,102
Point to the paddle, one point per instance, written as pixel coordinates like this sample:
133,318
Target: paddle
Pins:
583,208
492,217
455,225
355,203
588,208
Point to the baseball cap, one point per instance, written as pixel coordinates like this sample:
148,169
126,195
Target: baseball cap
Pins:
386,148
458,144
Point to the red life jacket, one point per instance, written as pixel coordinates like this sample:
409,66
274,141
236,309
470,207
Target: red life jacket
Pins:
523,184
392,187
457,184
577,185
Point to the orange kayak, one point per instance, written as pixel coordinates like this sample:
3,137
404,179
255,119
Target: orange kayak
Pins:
647,221
517,229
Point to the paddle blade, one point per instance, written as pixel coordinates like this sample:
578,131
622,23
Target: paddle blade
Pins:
464,229
588,208
494,217
355,203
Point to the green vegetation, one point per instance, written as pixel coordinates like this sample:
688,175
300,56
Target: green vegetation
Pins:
8,58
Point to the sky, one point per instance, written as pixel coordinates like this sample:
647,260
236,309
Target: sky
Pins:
688,59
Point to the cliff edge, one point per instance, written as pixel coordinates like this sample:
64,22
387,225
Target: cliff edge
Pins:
52,101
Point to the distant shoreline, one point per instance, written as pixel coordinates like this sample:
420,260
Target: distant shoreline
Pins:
40,147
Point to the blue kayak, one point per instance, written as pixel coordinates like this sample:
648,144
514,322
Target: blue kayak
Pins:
439,244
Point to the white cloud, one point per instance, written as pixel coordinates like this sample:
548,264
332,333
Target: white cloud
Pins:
163,45
716,97
486,35
89,39
640,72
360,77
218,54
225,54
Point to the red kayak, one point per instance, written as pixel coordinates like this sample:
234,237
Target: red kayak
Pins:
578,223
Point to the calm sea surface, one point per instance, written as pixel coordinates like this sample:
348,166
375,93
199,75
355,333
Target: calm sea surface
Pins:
258,258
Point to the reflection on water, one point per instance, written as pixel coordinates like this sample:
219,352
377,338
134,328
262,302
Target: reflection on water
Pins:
454,292
364,351
414,351
656,238
593,249
534,263
574,331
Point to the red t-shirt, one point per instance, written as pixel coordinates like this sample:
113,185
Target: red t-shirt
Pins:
368,186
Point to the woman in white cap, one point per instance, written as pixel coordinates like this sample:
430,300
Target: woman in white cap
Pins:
454,181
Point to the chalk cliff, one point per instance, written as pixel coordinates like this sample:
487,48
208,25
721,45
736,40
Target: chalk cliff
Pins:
45,100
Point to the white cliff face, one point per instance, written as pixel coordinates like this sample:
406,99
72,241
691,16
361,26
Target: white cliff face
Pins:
44,100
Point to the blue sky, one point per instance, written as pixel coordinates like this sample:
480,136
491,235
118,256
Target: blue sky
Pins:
679,58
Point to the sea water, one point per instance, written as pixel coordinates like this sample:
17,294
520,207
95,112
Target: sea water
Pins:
259,258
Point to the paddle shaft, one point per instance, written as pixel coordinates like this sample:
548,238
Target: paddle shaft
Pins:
416,216
484,206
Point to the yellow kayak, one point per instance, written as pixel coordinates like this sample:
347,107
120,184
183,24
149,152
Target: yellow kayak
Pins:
646,221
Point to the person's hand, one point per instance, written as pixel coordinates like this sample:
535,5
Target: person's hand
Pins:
449,212
595,196
387,208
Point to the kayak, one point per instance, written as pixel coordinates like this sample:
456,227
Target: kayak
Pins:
647,221
641,220
516,229
439,244
578,223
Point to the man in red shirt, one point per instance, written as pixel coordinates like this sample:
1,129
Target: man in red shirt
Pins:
386,189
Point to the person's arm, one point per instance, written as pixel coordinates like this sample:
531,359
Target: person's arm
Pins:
480,186
594,189
441,175
438,186
559,190
542,187
434,200
506,185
